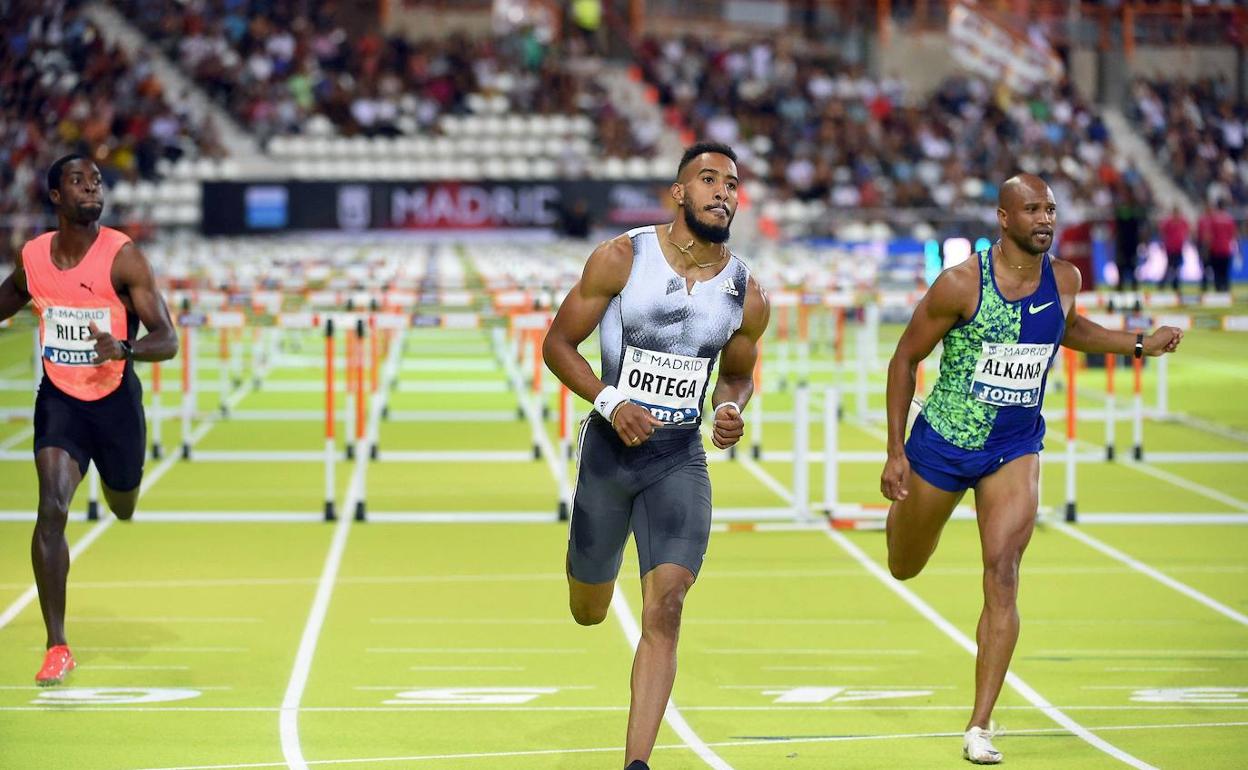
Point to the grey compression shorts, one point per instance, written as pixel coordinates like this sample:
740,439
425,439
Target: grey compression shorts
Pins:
659,490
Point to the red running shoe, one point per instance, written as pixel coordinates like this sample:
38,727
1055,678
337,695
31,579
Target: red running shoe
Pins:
56,664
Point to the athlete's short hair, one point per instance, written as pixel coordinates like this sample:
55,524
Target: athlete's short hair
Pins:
56,170
695,150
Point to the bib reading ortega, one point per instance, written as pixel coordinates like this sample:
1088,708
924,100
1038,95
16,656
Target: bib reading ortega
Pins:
659,339
68,302
994,366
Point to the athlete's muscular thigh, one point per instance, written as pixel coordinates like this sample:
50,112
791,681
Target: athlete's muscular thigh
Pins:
915,523
58,478
1006,501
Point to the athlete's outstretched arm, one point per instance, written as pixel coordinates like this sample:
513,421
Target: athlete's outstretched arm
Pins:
605,274
13,293
943,305
133,274
736,367
1090,337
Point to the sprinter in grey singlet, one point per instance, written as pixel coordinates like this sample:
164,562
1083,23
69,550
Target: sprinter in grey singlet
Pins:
670,303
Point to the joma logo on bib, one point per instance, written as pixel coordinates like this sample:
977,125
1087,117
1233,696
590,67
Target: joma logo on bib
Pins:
67,334
669,385
1010,375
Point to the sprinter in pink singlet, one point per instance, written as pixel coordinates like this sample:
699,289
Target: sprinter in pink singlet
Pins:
90,287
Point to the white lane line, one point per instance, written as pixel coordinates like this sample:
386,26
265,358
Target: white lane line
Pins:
32,591
103,667
17,438
1159,668
966,643
1188,484
857,708
1242,653
762,741
820,668
804,651
1157,575
470,621
532,408
478,650
396,687
962,640
468,668
288,721
93,534
163,620
212,650
632,631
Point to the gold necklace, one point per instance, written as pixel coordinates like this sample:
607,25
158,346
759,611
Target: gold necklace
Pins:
1000,251
688,250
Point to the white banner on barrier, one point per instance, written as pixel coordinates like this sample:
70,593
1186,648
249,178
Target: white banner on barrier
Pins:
462,321
455,299
297,320
1184,322
392,320
895,299
1162,299
530,320
226,319
1216,300
782,298
268,301
1235,323
842,299
324,299
209,300
504,299
400,299
1108,320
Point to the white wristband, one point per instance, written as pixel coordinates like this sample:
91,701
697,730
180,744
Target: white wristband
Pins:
609,398
732,404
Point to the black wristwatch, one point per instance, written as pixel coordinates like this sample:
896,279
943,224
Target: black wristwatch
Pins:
127,350
1139,345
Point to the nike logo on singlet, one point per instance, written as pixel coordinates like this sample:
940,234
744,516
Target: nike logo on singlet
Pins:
1037,308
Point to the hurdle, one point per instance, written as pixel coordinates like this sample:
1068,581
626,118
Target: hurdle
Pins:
566,417
1137,409
157,415
1110,415
330,453
755,408
831,448
801,451
1072,363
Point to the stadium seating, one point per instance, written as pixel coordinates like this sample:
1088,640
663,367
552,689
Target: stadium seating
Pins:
1199,131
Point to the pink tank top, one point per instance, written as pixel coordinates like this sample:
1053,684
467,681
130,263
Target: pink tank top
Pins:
67,302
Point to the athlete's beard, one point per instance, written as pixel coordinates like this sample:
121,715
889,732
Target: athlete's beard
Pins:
700,229
1028,244
89,212
86,213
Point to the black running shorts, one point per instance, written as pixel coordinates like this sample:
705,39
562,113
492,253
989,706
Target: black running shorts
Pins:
660,491
111,431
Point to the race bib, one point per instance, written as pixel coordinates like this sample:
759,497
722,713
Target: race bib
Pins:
67,334
1010,375
670,386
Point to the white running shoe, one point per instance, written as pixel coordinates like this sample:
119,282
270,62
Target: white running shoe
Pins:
977,746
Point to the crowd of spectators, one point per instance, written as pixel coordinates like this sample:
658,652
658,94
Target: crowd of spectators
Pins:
63,89
1199,131
281,66
813,126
